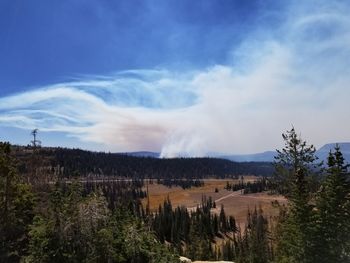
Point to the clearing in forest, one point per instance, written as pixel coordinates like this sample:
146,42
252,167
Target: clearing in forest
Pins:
235,203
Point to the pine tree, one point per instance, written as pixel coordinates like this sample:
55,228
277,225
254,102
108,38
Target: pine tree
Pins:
83,229
333,212
16,209
256,237
295,165
222,219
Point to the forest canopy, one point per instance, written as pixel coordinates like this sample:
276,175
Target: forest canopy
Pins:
105,221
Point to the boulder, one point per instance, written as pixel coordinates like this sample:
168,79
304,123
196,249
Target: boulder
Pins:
185,260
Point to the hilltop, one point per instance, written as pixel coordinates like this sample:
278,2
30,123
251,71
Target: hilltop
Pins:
268,156
323,152
75,162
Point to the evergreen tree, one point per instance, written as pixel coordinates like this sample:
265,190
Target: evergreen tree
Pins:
253,246
16,209
84,229
295,164
333,212
199,245
223,219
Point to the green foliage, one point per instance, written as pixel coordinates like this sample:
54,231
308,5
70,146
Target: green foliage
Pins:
253,244
333,213
295,164
16,209
316,227
74,162
83,229
105,221
194,233
199,246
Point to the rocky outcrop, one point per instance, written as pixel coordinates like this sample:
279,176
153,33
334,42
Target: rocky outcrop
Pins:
185,260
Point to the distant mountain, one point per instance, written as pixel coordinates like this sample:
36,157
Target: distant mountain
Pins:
257,157
323,152
267,156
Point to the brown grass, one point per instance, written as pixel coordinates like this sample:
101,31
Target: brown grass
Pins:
238,205
234,203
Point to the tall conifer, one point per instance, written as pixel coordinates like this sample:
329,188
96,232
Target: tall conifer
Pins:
295,165
333,212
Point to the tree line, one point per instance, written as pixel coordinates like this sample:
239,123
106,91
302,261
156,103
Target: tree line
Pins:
314,226
63,162
104,221
258,186
73,222
192,233
183,183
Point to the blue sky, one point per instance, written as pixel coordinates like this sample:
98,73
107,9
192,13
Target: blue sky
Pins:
173,76
50,41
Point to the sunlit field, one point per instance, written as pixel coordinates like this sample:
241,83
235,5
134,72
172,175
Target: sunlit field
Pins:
235,203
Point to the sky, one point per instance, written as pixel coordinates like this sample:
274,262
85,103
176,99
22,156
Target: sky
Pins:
179,77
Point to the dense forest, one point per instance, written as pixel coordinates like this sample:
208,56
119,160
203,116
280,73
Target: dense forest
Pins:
68,163
73,222
104,221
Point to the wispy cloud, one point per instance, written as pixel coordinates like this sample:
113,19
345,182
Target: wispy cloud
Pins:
296,74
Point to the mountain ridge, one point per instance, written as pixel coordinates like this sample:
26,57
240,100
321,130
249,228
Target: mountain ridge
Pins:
266,156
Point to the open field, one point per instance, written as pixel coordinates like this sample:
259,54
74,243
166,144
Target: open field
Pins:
235,203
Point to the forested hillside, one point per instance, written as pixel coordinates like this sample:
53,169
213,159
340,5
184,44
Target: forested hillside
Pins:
74,162
106,221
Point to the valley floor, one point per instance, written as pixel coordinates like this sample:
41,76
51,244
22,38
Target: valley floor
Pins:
235,203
